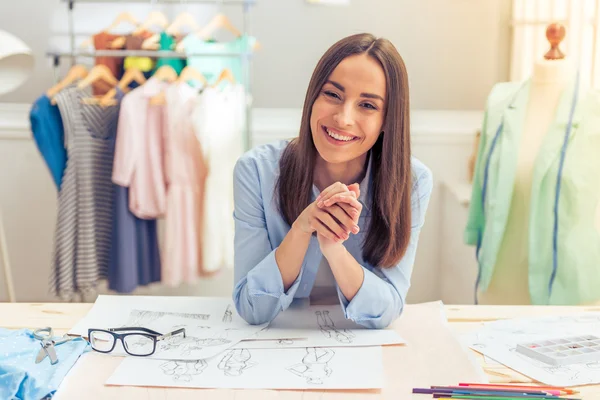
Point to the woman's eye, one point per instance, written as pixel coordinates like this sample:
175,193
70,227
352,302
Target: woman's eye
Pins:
331,94
369,106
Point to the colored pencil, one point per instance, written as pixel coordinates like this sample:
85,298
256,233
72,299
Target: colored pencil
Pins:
494,397
487,391
527,387
502,389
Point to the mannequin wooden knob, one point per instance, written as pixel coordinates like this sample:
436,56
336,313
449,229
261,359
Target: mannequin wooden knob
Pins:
555,33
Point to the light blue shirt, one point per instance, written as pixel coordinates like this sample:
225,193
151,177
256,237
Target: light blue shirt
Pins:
259,229
20,377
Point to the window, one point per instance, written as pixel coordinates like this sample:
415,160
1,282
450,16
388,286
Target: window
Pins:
581,19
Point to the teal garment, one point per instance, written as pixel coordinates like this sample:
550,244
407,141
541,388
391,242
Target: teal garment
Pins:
168,43
211,67
577,279
20,377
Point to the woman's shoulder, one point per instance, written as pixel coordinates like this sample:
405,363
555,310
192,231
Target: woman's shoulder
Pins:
422,179
263,159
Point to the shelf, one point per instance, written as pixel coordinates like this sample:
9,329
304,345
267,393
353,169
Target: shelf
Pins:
141,53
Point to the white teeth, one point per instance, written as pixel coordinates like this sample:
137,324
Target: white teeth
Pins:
339,137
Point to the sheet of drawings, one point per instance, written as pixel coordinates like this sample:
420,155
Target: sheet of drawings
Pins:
498,340
211,324
319,326
298,368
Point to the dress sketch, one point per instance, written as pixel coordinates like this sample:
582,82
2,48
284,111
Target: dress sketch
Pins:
330,331
234,362
182,371
315,365
227,317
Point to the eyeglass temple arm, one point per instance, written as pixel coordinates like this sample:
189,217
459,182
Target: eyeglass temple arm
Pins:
134,329
168,335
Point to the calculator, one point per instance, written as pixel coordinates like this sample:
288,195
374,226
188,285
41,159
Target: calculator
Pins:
564,350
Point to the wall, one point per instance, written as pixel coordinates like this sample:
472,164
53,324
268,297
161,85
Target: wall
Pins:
442,42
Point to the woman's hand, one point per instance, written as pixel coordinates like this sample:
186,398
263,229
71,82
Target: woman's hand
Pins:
333,222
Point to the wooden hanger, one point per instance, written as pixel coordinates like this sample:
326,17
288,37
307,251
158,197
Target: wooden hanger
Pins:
100,71
226,75
122,17
155,18
183,19
191,73
166,73
76,72
219,21
130,75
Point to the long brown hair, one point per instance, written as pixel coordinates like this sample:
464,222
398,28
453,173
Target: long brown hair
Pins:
388,233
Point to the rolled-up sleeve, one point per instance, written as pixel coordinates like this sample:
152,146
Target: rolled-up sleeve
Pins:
381,297
258,293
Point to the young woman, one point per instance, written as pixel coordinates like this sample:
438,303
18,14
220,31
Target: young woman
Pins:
338,210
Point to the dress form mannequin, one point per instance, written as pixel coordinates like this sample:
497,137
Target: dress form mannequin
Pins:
509,284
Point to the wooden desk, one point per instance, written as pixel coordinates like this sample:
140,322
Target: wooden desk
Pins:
62,316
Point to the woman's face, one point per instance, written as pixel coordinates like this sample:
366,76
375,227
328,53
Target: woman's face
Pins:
347,116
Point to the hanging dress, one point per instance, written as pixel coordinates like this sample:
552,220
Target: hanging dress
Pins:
85,201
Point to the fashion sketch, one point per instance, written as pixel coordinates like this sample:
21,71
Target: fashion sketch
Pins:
144,318
315,365
330,331
227,317
186,345
234,362
182,371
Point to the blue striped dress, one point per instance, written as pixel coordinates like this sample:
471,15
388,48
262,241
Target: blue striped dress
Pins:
85,201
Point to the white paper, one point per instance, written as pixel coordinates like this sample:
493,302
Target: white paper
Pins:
211,324
320,326
301,368
499,340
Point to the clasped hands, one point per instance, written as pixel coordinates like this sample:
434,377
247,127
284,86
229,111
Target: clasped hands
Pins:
333,215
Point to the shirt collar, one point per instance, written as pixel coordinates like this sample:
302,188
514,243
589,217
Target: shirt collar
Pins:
364,185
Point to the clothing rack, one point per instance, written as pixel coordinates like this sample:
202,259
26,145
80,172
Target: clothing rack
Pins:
245,56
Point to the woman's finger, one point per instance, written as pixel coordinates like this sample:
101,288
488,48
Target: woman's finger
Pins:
347,198
337,187
342,218
352,212
334,226
323,230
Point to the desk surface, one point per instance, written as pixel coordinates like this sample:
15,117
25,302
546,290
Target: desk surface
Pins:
62,316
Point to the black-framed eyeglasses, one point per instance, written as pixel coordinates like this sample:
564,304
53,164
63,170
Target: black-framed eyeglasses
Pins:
136,342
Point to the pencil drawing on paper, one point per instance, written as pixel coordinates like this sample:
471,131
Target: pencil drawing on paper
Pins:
330,331
315,365
227,317
234,362
144,318
183,370
186,345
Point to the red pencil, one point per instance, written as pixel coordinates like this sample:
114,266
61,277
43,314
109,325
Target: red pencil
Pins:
534,387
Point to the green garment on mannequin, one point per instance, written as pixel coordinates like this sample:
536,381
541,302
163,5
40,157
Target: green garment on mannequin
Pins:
577,279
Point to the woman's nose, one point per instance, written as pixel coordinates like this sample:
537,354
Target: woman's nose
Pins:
344,116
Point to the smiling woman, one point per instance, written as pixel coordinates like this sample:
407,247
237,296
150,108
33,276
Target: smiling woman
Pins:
335,214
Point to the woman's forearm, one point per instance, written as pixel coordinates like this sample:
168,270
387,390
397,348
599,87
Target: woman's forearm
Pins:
290,254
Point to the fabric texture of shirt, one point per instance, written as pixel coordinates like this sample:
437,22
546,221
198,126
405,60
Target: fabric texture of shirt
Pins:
20,377
168,43
48,133
85,201
259,229
184,172
219,120
211,67
103,41
139,153
577,276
